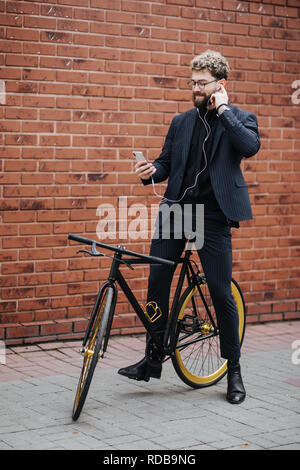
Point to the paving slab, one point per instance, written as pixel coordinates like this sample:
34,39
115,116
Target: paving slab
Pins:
38,383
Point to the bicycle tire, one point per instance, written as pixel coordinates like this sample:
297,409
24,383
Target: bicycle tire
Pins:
199,364
92,351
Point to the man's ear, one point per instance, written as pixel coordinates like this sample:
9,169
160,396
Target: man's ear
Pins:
222,82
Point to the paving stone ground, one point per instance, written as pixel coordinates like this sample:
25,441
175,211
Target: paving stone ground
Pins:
38,382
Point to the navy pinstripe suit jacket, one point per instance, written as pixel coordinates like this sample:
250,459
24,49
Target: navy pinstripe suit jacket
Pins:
236,136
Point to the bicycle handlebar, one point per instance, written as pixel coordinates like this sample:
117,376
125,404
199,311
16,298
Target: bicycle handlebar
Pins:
120,249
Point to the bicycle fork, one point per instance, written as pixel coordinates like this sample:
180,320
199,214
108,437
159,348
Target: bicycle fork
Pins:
107,316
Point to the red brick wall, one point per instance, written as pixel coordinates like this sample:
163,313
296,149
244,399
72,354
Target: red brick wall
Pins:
88,81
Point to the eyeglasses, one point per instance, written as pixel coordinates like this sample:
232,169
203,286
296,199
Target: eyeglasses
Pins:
199,84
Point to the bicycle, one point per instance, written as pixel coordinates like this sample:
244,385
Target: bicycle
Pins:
191,338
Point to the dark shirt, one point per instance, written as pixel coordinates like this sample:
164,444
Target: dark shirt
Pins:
203,191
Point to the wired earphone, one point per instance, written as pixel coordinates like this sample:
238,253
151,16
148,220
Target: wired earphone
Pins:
208,131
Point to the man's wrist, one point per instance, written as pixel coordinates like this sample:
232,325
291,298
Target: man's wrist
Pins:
221,108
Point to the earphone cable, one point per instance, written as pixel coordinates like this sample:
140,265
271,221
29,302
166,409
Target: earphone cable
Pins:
208,131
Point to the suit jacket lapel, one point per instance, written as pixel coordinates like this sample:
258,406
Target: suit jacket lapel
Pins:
218,133
188,132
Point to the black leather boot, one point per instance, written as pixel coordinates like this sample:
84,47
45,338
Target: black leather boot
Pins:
236,392
149,366
142,370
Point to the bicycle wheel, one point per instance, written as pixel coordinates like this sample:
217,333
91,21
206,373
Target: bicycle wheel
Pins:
92,351
197,359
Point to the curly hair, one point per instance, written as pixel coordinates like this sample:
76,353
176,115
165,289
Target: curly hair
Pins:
212,61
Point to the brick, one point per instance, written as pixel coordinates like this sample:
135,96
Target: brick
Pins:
22,34
21,331
122,18
22,7
52,215
88,14
23,60
55,328
35,22
56,11
38,48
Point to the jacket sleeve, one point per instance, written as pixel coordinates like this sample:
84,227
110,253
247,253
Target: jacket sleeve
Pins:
243,135
163,162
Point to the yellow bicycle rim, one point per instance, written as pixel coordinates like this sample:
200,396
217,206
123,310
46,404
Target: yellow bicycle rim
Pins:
211,378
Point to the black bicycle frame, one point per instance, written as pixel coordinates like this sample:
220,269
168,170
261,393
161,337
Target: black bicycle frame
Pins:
115,276
186,270
167,345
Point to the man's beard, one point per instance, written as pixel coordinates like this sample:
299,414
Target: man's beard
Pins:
200,104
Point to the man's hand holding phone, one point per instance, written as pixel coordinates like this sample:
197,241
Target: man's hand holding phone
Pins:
143,168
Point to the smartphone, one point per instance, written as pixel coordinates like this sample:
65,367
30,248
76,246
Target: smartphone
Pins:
139,157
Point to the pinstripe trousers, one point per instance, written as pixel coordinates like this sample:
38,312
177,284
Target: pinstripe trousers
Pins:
216,260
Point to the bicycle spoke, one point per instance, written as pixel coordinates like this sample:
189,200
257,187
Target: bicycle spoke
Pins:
202,354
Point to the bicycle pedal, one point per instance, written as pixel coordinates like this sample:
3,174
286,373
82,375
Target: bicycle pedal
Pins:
189,321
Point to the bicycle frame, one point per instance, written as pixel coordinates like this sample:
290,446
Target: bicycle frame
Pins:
115,277
167,345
